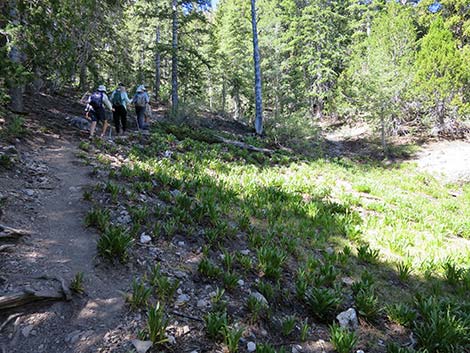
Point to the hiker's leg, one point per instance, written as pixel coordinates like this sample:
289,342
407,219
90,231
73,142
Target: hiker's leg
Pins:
124,119
116,120
105,127
92,128
140,116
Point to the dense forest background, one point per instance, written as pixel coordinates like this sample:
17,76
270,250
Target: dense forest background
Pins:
393,63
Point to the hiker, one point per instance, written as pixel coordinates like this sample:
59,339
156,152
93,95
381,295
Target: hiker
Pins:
148,109
119,100
96,111
140,100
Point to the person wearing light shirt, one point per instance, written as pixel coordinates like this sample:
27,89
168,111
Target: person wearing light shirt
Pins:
120,99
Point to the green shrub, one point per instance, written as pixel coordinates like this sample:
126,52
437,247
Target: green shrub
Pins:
115,243
322,302
401,314
98,218
342,339
215,323
140,294
157,324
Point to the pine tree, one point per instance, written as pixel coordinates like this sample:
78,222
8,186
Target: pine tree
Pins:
441,73
381,68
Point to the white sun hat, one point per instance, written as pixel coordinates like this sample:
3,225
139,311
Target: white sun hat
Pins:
102,88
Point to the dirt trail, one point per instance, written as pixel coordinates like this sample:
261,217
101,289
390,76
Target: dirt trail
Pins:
60,246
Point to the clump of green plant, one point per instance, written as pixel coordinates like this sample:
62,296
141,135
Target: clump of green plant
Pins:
230,280
404,270
139,214
270,261
232,336
218,302
87,195
401,314
228,260
215,322
452,273
157,324
366,283
322,301
368,255
288,325
342,339
85,146
115,243
98,218
245,262
367,303
15,128
5,161
140,294
164,286
113,189
304,330
266,289
440,330
255,307
208,269
77,283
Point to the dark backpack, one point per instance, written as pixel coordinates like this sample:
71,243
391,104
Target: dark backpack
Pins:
116,100
140,100
96,100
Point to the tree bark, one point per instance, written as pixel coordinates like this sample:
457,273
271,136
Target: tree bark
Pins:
157,65
174,59
257,61
15,55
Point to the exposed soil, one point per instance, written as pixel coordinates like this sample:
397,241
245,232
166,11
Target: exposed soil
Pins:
448,160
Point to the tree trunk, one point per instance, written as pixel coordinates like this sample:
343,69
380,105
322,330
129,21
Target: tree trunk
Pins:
237,103
256,57
224,95
157,65
15,55
174,60
382,131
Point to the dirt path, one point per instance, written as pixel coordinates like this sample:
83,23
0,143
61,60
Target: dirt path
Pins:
60,246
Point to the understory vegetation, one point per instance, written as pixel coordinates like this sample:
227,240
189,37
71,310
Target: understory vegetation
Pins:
307,237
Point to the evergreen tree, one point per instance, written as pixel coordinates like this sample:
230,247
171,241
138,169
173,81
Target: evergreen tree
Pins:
381,68
441,72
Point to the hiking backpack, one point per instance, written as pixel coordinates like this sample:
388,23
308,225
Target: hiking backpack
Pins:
116,100
96,100
140,100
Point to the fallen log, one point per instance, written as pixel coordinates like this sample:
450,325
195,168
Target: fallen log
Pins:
65,289
27,297
9,319
244,146
6,247
9,232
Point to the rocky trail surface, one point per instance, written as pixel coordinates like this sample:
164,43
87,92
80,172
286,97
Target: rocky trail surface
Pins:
43,195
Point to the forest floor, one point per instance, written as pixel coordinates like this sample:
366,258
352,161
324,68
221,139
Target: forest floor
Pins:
43,192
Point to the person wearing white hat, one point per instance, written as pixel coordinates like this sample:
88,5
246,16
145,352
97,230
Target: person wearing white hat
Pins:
140,101
96,111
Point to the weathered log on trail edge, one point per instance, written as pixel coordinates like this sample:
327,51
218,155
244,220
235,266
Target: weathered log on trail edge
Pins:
9,232
15,300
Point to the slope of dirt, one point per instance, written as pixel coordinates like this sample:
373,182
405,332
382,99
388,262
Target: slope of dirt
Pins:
449,160
44,195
